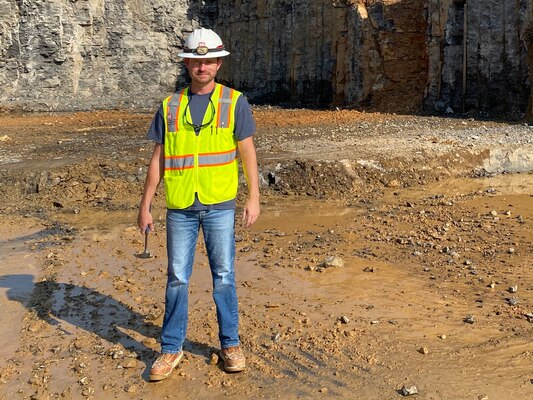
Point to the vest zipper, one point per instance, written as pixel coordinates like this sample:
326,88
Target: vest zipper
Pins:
196,164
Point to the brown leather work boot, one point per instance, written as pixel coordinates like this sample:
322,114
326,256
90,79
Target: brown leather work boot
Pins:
163,366
234,360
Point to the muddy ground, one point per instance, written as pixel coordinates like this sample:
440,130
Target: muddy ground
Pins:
392,251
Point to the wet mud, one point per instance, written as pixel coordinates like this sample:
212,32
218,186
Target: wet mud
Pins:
411,277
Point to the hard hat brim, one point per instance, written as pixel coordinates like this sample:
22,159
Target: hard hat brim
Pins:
212,54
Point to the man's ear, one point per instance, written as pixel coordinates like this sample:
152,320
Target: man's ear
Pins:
220,61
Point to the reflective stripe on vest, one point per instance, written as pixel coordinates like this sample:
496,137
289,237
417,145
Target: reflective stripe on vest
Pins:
224,107
216,159
176,163
173,108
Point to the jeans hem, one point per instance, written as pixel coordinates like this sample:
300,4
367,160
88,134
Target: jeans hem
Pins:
170,352
230,344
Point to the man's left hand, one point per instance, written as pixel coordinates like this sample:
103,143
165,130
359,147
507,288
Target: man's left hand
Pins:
251,212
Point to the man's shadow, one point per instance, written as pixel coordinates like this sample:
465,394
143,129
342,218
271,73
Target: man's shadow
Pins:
92,311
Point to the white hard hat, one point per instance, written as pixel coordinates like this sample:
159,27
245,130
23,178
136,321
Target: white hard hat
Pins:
203,43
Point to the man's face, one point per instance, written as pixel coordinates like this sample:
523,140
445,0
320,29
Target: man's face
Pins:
203,70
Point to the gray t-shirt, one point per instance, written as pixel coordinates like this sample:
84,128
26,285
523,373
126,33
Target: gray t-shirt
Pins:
198,104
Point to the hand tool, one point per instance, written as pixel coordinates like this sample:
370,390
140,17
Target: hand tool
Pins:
145,253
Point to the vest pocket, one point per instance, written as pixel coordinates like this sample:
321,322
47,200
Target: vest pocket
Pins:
218,184
178,193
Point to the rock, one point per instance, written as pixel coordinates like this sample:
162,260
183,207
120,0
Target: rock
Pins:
83,381
149,342
34,326
513,289
469,319
34,380
116,354
87,392
130,363
131,388
423,350
393,183
147,35
332,261
408,391
154,314
344,319
513,301
213,359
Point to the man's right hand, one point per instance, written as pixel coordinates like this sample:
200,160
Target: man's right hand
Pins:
145,221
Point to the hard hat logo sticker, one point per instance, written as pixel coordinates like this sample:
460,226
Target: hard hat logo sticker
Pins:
202,50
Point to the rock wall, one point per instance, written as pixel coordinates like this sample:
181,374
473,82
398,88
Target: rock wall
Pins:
326,52
394,55
528,39
86,54
496,75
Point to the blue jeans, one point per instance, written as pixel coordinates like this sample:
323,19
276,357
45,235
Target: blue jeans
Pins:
218,227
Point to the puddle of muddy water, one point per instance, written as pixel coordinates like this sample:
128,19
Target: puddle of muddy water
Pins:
506,184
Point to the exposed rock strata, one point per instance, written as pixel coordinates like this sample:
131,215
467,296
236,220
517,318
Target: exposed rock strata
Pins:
387,54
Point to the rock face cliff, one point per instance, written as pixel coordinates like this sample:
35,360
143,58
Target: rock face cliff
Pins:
68,54
478,54
395,55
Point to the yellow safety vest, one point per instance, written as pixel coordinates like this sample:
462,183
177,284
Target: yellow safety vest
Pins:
205,164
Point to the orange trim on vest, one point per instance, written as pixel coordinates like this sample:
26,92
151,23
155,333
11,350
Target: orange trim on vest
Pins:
229,110
216,165
185,156
179,168
219,105
217,152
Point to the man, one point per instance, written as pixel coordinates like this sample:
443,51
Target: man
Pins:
197,132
